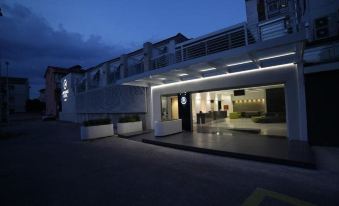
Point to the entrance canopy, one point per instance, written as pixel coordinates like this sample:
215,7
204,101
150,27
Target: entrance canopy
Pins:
278,51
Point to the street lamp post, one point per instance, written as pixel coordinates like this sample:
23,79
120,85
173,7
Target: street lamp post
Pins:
7,93
3,114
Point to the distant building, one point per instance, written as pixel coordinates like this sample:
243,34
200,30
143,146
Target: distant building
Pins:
42,95
53,76
18,94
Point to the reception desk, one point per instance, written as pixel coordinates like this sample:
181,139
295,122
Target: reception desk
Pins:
165,128
202,118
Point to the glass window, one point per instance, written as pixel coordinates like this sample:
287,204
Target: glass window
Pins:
259,109
276,7
169,108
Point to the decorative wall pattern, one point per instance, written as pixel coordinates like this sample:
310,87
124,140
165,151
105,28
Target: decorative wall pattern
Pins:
112,99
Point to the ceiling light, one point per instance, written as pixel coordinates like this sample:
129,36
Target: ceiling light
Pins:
239,63
224,75
209,69
276,56
182,75
162,78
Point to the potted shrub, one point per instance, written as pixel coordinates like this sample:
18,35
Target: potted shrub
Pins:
97,128
129,124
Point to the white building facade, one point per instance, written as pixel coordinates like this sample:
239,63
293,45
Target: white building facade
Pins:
270,61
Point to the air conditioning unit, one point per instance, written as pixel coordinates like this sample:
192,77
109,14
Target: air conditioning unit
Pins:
326,26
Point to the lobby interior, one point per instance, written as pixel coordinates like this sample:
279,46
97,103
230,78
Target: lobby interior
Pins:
259,110
248,123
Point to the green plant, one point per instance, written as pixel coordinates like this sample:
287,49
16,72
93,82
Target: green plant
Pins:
235,115
96,122
258,119
132,118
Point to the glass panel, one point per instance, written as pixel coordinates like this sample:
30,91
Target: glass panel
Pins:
169,108
258,110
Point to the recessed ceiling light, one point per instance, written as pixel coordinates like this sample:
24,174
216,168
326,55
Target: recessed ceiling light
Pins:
276,56
209,69
223,75
182,75
239,63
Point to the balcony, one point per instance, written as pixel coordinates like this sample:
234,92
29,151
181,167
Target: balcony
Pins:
163,61
135,69
226,39
232,49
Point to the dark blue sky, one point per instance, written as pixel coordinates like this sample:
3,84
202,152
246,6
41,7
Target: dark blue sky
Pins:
86,32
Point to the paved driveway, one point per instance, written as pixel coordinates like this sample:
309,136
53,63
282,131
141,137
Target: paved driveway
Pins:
48,165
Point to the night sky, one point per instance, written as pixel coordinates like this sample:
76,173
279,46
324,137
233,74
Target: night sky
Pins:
37,33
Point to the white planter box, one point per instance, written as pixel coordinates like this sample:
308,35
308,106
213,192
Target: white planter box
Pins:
129,127
167,127
93,132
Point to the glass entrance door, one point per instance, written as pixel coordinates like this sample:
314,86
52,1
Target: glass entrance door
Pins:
256,109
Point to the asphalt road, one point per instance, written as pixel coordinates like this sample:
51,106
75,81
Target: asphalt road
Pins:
47,164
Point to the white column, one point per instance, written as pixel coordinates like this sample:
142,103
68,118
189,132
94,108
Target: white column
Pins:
302,103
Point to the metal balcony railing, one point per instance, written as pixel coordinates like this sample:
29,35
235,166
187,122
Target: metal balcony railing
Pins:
237,36
163,61
113,76
135,69
225,40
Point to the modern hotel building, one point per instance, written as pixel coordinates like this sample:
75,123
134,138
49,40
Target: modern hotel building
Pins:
275,73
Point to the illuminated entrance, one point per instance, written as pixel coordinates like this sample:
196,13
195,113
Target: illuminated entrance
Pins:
175,107
257,110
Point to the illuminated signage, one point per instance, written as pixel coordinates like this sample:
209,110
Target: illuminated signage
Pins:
183,100
66,91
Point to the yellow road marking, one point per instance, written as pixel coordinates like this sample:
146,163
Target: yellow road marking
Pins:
259,195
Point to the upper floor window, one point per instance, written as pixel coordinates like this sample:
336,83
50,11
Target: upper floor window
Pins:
114,73
276,7
163,50
96,77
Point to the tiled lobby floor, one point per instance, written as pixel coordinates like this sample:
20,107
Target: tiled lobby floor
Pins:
271,129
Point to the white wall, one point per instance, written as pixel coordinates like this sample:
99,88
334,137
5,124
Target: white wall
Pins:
109,101
227,100
286,74
68,112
